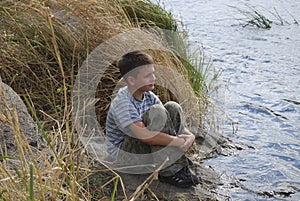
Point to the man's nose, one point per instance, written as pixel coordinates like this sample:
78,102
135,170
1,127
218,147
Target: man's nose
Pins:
153,77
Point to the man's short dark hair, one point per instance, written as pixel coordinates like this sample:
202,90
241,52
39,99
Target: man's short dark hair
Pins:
132,60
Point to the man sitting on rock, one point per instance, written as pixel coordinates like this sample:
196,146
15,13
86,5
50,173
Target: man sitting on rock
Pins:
140,130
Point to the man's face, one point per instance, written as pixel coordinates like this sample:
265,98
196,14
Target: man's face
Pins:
145,78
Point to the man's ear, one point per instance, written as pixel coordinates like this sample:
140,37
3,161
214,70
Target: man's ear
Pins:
130,80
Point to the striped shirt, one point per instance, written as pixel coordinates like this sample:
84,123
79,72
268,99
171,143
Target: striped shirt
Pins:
124,110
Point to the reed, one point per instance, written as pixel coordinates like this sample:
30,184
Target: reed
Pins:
254,17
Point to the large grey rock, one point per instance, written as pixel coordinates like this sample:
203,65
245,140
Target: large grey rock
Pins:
133,185
21,124
204,191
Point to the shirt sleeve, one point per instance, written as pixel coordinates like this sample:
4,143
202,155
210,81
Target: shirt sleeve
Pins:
125,113
156,100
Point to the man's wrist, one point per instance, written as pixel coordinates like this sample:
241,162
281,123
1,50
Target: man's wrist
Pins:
178,141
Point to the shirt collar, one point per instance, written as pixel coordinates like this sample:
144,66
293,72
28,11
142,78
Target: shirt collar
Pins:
132,98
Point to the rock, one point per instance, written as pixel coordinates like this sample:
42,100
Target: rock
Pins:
24,123
210,180
164,191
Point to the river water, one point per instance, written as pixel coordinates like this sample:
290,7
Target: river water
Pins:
259,98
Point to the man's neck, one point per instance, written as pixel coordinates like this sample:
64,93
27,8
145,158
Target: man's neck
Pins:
138,94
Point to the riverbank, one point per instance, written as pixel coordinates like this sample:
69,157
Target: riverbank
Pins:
43,47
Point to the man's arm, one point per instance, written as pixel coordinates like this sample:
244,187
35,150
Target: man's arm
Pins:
189,139
154,137
187,131
183,141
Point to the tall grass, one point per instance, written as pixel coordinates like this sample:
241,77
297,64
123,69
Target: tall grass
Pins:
37,43
42,46
145,13
38,175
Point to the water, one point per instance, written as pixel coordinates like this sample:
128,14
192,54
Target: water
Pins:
260,96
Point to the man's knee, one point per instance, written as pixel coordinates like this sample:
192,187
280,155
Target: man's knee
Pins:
156,116
157,108
172,106
176,115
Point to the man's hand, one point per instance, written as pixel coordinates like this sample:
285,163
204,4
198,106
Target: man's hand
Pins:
183,141
189,140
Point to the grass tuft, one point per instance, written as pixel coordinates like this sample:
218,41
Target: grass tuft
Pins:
253,17
256,18
144,13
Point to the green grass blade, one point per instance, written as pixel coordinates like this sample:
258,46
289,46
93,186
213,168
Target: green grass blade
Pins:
115,189
31,195
22,178
5,157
